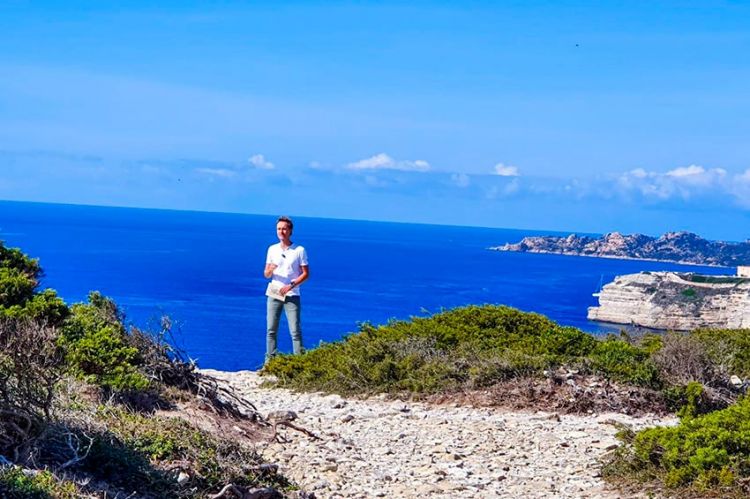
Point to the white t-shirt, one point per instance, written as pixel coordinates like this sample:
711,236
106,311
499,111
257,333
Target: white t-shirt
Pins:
289,264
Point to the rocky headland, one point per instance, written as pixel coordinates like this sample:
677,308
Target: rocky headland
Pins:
379,447
669,300
680,247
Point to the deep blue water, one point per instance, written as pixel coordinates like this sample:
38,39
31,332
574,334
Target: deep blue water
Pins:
204,270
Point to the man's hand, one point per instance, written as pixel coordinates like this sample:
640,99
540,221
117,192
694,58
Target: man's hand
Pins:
268,271
285,289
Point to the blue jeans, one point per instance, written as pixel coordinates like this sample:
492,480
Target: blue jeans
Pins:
292,308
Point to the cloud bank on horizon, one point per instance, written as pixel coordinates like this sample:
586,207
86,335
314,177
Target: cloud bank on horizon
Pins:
511,199
573,117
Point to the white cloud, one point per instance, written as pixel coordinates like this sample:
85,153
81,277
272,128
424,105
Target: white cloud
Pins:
506,170
217,172
683,182
384,162
639,173
697,175
461,179
686,171
258,161
381,160
419,165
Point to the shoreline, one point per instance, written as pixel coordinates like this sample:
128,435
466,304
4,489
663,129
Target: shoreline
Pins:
612,257
393,448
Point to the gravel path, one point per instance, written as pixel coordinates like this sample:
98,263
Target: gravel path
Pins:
385,448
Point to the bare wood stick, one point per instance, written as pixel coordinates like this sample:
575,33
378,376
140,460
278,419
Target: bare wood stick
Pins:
77,458
230,487
295,427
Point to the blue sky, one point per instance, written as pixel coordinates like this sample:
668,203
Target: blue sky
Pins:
571,116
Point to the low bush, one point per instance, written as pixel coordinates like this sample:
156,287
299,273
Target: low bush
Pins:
478,346
470,347
16,483
19,297
688,292
98,347
621,360
31,364
707,452
727,349
683,359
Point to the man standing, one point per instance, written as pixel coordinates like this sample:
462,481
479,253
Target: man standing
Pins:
286,265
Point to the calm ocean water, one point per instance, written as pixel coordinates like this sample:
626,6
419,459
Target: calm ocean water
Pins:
204,270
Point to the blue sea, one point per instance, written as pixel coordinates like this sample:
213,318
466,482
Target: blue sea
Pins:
204,270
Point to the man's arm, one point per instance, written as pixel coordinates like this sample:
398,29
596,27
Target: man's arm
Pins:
299,280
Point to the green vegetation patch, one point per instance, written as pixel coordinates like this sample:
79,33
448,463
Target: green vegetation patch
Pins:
708,452
19,297
688,292
98,346
709,279
465,347
136,451
16,483
624,361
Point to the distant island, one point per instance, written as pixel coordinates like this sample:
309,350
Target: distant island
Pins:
679,247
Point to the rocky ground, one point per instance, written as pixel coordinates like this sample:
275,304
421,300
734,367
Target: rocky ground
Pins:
390,448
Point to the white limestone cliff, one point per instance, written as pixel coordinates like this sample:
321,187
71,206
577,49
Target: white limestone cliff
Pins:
668,300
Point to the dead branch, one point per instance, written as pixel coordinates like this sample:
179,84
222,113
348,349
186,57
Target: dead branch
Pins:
229,488
243,493
224,400
76,449
294,427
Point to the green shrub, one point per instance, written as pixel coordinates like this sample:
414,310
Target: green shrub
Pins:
470,346
621,361
688,292
15,258
45,307
705,452
650,342
98,348
15,484
101,357
16,287
19,277
478,346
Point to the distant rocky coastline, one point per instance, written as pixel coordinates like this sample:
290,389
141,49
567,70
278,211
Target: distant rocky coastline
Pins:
679,247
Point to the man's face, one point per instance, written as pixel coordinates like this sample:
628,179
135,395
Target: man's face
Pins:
283,230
